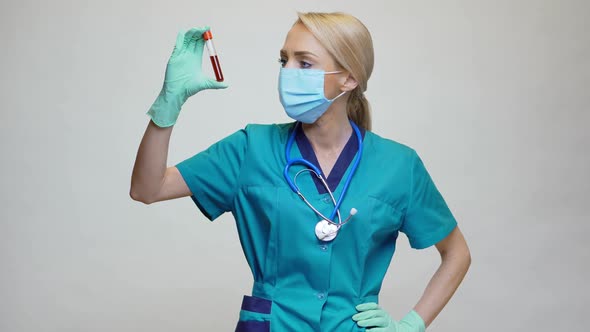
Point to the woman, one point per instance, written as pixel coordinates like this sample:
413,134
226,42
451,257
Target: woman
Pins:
314,269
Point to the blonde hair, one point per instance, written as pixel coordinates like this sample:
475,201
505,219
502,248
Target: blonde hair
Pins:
350,44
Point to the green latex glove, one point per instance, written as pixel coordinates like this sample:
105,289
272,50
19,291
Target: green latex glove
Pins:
184,77
375,319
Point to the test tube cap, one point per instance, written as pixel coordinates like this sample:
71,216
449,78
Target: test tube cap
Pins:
207,35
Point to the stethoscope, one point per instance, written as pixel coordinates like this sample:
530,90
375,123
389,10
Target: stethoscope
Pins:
326,229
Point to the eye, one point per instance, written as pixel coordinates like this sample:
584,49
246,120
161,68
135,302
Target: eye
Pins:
304,64
283,62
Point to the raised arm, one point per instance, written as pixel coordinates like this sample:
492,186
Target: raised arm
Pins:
152,180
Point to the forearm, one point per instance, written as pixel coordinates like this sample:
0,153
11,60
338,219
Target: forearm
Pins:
443,284
150,163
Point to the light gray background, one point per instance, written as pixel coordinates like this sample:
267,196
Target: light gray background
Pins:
493,95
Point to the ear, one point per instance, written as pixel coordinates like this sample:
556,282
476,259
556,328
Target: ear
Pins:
350,84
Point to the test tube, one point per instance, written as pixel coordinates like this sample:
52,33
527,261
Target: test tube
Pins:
213,55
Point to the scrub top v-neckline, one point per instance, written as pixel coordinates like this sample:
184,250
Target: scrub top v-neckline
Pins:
342,163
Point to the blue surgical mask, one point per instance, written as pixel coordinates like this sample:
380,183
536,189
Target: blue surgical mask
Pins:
302,93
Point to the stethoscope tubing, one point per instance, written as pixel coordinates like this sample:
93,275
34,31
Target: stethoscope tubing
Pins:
310,205
291,162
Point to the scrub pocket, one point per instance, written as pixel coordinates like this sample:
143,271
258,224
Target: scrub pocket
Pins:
254,315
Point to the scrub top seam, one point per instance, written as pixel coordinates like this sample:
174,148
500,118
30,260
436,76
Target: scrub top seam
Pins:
243,164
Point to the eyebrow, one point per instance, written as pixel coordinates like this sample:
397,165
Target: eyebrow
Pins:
299,53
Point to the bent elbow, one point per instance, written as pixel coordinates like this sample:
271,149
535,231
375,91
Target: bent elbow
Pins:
464,259
459,254
140,197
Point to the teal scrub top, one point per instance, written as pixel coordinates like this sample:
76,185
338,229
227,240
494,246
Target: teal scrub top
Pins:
300,283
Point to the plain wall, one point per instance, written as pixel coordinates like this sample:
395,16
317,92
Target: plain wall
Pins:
493,95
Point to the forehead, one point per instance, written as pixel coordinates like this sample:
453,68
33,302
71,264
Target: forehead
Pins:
299,38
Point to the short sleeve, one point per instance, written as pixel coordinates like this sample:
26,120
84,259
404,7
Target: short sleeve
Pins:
428,219
212,175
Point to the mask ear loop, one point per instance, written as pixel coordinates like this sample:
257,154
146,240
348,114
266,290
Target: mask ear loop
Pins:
309,204
338,96
343,92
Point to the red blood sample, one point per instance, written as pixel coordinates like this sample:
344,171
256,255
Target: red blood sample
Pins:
216,68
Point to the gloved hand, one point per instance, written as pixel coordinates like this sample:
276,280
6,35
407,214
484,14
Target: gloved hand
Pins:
376,319
183,78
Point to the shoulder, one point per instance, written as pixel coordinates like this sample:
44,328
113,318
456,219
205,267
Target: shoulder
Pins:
269,127
388,148
273,131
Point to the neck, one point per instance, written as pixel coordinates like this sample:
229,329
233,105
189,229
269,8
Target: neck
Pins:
331,131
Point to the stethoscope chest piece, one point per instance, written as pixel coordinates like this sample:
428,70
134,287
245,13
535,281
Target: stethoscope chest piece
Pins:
326,231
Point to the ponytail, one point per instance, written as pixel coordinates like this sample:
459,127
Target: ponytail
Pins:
358,109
